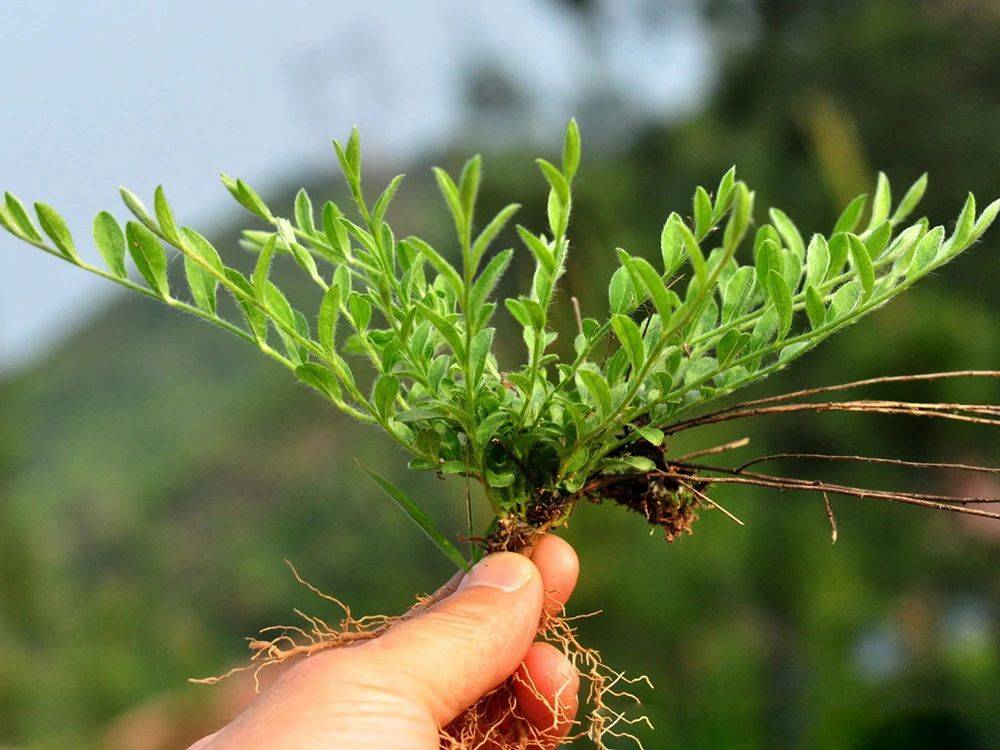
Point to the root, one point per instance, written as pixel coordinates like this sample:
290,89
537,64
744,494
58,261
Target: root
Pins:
277,644
495,721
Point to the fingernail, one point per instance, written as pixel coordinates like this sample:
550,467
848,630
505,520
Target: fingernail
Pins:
506,571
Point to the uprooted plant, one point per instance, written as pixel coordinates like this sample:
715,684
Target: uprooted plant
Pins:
589,423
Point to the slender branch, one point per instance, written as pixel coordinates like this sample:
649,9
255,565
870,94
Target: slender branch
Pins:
577,314
814,483
732,445
702,496
830,517
866,459
834,489
941,411
807,392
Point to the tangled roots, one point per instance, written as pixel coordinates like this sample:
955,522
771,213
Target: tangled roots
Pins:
495,721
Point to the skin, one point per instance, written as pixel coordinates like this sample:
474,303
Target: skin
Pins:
394,692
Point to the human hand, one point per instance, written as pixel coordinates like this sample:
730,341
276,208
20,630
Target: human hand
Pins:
394,692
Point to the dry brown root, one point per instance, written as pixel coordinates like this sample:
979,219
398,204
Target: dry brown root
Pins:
495,721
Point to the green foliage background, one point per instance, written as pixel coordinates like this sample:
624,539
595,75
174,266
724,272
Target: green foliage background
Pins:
153,473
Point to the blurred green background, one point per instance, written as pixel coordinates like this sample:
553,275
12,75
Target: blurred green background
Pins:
154,474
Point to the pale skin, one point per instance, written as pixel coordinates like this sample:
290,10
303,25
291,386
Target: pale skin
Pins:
394,692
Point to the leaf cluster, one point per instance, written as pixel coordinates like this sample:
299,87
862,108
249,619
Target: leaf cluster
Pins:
402,333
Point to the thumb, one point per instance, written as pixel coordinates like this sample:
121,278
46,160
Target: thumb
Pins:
467,644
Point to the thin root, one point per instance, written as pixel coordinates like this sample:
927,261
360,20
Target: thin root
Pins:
495,721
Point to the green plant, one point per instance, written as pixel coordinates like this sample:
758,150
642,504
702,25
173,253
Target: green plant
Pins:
591,420
560,426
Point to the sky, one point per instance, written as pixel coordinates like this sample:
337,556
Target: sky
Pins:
103,94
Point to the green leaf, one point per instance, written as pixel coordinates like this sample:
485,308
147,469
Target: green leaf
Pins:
279,309
630,336
262,269
253,202
21,220
639,463
927,250
148,256
335,231
844,301
491,231
447,330
817,260
468,185
986,218
253,314
739,217
671,244
791,266
538,248
702,206
110,242
326,323
815,308
694,253
792,351
571,150
964,225
653,283
138,209
384,394
360,309
910,200
724,193
768,259
598,388
878,239
849,219
518,311
318,377
479,350
699,369
789,232
382,204
420,518
555,179
303,258
651,435
736,293
442,266
731,346
488,279
449,190
862,263
165,216
621,292
782,299
881,203
195,244
353,152
55,227
536,313
304,212
840,248
202,284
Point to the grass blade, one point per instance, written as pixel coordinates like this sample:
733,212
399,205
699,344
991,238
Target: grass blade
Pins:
420,518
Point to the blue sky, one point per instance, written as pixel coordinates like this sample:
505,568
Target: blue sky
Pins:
103,94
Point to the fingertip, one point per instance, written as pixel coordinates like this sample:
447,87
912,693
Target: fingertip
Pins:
505,571
546,687
560,567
